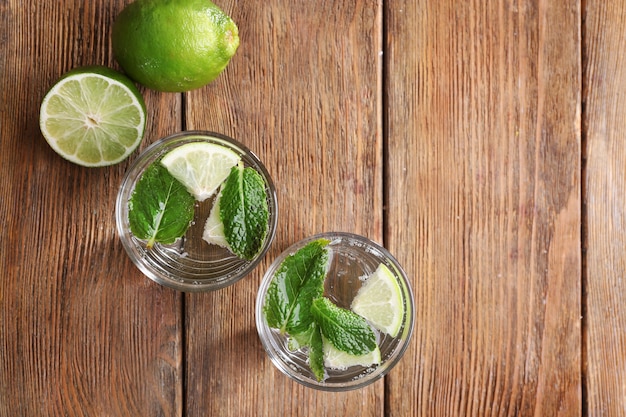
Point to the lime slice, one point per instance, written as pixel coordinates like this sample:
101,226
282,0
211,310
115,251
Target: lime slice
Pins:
93,116
201,166
337,359
213,232
379,301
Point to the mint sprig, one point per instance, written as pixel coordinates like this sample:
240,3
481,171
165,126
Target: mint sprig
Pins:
160,208
295,305
298,281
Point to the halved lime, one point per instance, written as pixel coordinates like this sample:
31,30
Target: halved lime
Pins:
379,301
93,116
337,359
201,166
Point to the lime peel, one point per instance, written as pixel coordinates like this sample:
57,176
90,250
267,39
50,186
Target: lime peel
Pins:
174,46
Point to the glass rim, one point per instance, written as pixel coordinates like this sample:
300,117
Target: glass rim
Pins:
150,154
385,367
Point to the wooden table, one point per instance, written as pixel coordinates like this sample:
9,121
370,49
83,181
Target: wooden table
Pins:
482,142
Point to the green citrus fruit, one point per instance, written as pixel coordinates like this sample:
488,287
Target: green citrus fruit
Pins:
213,232
174,45
93,116
201,166
379,300
338,359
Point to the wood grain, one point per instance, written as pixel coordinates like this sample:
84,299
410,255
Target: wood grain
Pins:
605,199
82,332
303,92
483,202
479,141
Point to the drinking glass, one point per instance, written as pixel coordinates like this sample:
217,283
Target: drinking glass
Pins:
353,259
190,264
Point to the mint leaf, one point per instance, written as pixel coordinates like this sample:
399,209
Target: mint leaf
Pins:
316,353
297,282
244,211
347,331
312,338
160,208
302,338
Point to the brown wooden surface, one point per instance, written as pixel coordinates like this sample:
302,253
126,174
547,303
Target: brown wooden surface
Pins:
604,190
484,178
481,142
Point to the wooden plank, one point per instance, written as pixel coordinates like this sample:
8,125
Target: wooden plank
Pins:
604,179
484,206
303,92
82,331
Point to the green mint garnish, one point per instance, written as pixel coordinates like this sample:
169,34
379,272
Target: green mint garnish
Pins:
244,211
316,353
295,305
347,331
297,282
160,208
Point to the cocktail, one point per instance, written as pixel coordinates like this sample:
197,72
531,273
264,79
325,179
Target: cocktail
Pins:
196,211
335,311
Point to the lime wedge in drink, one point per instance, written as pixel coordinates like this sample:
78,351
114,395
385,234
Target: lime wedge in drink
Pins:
200,166
379,301
213,232
93,116
338,359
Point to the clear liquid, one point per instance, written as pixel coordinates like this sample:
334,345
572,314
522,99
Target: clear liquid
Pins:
191,259
190,263
353,259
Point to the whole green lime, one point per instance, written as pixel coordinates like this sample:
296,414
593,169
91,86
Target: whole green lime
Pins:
174,45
